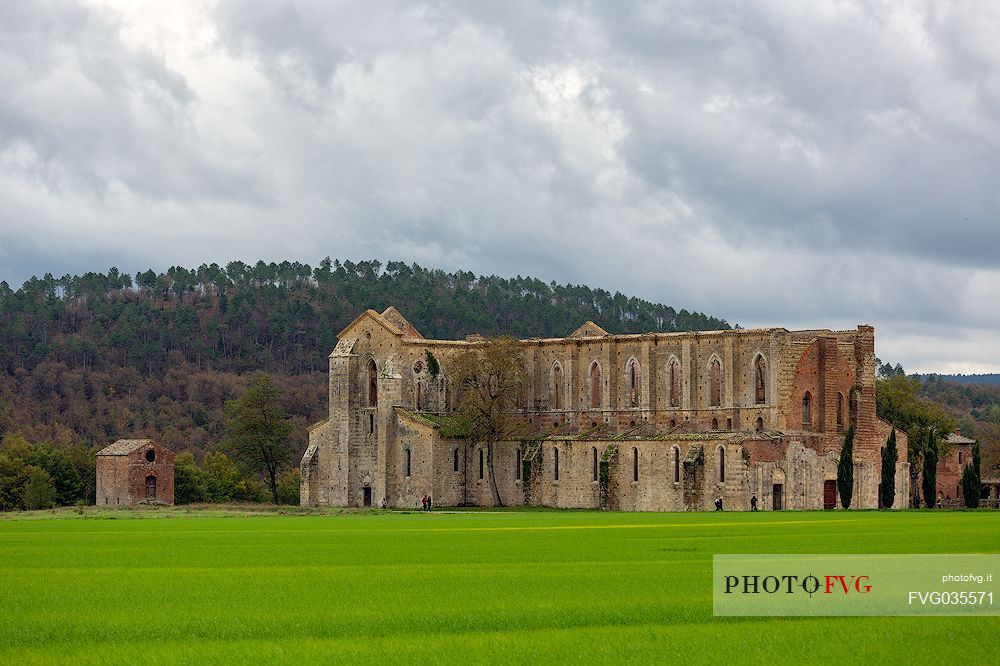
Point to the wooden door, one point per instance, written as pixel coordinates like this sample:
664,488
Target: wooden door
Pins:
776,492
830,494
367,496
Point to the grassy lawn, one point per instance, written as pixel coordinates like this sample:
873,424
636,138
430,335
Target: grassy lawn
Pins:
486,587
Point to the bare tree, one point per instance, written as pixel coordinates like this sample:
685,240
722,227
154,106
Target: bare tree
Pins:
490,378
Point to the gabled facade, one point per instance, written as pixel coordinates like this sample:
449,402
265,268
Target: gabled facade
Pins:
135,471
656,421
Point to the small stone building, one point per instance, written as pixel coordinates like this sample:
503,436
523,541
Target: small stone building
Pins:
135,471
951,466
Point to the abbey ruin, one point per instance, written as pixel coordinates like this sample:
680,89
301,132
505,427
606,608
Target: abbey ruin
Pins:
645,422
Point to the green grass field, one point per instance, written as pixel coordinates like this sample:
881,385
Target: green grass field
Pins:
160,587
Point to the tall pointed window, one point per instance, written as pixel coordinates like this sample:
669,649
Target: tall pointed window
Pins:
722,465
555,463
677,465
674,383
372,384
595,385
406,461
635,464
517,466
633,383
557,387
481,461
418,390
760,381
715,383
807,410
597,464
840,411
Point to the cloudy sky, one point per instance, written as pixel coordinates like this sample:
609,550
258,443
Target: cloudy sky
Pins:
804,164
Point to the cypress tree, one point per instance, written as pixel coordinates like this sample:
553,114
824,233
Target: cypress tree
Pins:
845,470
930,469
889,457
971,483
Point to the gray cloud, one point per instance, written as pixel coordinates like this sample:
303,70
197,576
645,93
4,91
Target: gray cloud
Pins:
801,164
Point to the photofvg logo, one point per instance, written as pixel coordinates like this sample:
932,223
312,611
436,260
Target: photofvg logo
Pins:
789,585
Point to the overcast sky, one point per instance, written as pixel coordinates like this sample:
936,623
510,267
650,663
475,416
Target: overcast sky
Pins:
799,164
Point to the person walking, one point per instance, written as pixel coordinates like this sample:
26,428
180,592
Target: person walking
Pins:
423,503
429,503
753,502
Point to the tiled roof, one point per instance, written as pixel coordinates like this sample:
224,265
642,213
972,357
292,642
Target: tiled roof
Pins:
123,447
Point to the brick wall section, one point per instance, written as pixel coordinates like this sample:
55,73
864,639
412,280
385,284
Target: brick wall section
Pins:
949,471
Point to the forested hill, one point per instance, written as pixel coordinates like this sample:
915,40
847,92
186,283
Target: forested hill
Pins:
991,378
85,359
283,317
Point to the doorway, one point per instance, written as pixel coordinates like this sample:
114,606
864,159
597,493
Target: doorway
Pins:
776,492
367,496
830,494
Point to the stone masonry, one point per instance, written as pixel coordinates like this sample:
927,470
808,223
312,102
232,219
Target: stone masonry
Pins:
640,422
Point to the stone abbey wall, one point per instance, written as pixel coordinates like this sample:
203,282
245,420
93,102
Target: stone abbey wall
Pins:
638,401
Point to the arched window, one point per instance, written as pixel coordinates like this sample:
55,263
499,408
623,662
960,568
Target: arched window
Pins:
722,465
760,381
151,487
454,460
760,424
635,464
677,465
597,467
840,410
674,383
481,461
715,383
418,397
595,385
372,383
406,461
673,423
715,424
555,465
557,387
633,383
517,465
807,410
